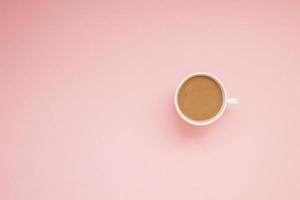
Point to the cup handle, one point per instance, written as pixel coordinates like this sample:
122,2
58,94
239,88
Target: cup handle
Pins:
232,101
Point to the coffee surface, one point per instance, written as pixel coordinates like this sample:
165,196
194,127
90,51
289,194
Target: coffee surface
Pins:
200,98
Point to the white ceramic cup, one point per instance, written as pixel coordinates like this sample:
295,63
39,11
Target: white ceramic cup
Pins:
226,100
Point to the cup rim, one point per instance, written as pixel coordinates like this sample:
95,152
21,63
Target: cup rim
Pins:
202,122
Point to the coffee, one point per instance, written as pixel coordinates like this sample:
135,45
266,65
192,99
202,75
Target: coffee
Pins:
200,98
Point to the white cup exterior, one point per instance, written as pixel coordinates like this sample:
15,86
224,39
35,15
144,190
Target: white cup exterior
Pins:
226,100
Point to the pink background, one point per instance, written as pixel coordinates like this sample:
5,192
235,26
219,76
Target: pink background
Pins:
86,100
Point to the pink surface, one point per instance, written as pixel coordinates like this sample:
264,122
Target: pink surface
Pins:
86,105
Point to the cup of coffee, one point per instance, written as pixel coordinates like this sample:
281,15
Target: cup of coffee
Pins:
201,99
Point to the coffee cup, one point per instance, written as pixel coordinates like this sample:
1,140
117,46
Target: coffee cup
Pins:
201,99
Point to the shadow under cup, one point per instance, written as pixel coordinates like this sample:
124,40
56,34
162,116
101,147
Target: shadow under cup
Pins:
200,99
